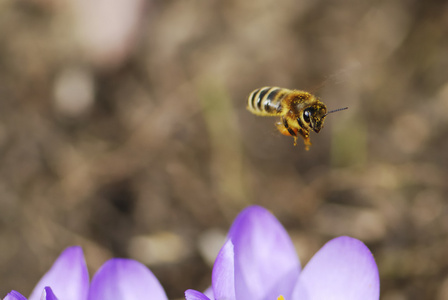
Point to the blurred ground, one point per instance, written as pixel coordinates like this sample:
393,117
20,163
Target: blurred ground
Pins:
123,129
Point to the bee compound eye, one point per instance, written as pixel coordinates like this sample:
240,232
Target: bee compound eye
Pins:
306,116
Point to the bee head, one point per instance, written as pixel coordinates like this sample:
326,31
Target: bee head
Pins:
314,116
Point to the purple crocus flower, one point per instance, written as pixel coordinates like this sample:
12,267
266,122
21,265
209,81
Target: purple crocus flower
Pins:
259,262
120,279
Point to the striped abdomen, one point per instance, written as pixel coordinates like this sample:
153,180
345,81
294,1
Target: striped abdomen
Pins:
267,101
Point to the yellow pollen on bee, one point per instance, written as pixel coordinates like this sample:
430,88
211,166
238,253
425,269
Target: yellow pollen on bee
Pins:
280,297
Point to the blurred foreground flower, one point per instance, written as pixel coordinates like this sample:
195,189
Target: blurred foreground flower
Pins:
108,30
68,279
259,262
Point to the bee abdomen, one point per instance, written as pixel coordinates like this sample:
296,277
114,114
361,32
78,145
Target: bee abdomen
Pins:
266,101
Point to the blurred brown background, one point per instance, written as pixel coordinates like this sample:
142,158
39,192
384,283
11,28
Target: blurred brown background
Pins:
123,129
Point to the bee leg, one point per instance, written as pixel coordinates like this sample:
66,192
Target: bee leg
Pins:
306,138
291,131
284,129
295,141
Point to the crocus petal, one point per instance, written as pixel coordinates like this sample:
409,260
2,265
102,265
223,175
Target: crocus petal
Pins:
68,277
195,295
266,263
13,295
125,279
209,293
48,294
343,269
223,275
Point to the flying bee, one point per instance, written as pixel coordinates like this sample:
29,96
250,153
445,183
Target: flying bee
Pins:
299,111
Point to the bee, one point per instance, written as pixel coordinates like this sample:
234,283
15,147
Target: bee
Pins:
299,111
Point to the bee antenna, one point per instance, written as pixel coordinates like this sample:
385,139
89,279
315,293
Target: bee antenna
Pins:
333,111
